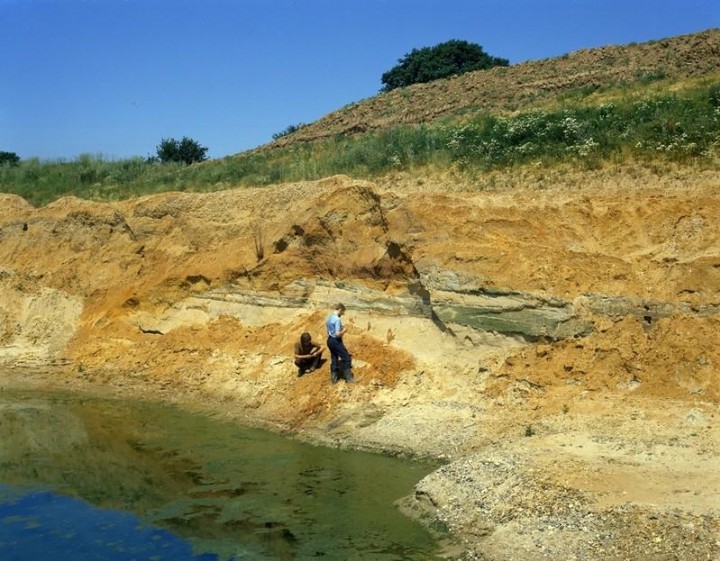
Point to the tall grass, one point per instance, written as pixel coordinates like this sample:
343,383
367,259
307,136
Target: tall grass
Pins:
88,176
682,127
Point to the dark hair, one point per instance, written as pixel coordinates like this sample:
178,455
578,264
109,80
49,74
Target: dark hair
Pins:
305,338
340,306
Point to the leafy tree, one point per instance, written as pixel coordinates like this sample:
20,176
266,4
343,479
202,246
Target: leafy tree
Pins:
10,158
187,151
441,61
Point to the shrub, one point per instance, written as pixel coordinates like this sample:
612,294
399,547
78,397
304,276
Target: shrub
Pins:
289,130
10,158
441,61
714,95
187,151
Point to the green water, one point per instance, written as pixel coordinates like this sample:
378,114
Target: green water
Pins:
227,490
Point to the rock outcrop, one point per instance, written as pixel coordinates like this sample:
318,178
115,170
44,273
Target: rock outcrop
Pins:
511,333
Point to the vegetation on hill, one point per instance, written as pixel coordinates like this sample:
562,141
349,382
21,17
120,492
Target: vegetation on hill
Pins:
586,75
185,151
10,158
654,119
451,58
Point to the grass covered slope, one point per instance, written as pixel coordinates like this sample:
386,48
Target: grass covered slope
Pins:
649,105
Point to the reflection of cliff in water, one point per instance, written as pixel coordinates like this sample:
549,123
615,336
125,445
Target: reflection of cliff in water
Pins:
91,448
227,489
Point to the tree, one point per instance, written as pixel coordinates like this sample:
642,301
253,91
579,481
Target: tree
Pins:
10,158
441,61
187,151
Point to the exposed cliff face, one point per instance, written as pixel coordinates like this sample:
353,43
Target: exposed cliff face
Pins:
473,317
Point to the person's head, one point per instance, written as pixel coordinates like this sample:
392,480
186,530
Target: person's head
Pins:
305,338
340,309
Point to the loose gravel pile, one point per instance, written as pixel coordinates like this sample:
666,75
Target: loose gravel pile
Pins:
518,513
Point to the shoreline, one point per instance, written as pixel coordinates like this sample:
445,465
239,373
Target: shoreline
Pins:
534,503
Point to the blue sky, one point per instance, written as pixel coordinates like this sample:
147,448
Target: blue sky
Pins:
114,77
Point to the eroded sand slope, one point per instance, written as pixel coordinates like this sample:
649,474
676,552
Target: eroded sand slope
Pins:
558,347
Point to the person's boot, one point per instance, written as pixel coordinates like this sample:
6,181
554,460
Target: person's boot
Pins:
334,376
348,375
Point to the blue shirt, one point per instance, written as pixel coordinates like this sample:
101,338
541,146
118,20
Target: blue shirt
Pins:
333,324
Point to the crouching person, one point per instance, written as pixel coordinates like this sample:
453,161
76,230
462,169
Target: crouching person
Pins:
307,354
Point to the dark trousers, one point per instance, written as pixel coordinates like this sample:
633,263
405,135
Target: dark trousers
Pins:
338,351
307,363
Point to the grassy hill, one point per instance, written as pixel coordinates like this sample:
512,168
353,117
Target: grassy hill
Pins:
638,105
588,75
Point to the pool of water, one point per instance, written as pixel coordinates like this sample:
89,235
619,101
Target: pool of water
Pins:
84,478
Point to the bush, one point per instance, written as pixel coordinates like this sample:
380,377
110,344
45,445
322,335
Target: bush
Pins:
10,158
714,95
441,61
288,130
186,151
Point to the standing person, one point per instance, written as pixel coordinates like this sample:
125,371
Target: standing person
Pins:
307,354
336,330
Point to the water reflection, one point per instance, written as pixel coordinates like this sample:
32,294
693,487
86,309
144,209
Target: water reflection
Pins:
231,492
41,526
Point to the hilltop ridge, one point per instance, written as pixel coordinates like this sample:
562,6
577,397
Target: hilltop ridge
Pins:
521,86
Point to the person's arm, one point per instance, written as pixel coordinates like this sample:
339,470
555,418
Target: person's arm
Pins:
313,353
299,356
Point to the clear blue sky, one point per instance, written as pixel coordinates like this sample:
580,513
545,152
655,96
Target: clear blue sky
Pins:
114,77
